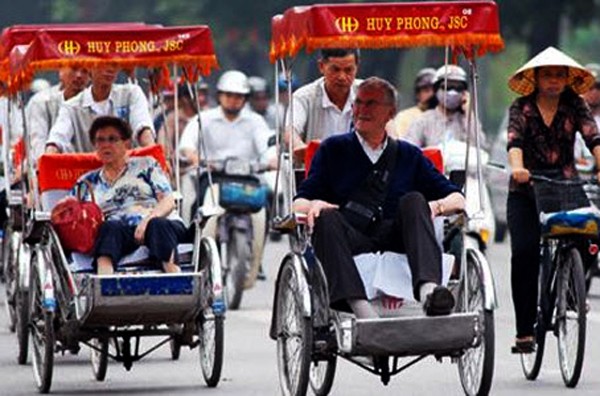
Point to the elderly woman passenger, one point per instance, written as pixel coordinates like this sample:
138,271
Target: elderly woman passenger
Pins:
136,198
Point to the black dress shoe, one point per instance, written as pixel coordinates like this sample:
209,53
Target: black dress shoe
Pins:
439,302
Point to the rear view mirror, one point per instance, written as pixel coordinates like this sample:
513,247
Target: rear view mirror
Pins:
458,177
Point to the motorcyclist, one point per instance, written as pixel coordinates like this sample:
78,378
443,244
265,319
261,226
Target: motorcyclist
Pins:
448,121
230,131
424,98
260,101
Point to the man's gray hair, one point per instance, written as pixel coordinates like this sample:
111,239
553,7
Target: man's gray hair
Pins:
389,91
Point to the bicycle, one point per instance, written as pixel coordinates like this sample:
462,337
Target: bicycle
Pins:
562,293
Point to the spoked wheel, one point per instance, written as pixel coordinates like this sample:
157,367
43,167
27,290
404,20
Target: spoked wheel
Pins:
322,374
476,365
42,333
238,263
175,347
9,252
22,308
531,363
99,358
210,323
294,335
211,331
571,317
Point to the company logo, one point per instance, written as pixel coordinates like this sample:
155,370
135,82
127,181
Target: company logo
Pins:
69,47
347,24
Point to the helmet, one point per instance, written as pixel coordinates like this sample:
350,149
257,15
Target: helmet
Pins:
257,84
594,69
424,78
450,72
282,82
39,84
233,81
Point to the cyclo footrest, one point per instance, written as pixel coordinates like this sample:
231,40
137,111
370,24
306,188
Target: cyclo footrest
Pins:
122,300
409,336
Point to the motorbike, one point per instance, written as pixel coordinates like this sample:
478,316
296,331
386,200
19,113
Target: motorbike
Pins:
241,200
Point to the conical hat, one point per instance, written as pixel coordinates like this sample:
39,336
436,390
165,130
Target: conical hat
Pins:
523,81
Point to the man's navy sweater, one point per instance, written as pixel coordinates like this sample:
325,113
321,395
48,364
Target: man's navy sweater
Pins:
340,166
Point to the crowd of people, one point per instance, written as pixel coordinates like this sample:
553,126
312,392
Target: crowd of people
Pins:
368,189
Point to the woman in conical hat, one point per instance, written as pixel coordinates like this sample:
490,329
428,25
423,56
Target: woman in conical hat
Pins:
541,136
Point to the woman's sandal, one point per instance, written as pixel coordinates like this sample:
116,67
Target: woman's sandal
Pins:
524,345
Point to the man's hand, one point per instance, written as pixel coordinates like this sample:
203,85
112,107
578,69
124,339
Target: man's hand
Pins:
436,208
146,137
315,209
140,230
520,175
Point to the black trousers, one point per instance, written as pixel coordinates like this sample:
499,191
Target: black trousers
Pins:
524,228
116,239
335,243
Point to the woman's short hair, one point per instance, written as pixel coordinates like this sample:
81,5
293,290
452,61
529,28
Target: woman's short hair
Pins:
119,124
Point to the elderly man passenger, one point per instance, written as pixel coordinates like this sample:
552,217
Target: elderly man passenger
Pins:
136,198
347,177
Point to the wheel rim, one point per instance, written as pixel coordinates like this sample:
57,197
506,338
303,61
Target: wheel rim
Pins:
10,272
207,341
291,342
37,328
568,321
472,361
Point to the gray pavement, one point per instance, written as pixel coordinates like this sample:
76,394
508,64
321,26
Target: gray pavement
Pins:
250,366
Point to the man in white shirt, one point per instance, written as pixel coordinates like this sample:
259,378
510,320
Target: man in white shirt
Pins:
43,107
324,106
229,130
69,132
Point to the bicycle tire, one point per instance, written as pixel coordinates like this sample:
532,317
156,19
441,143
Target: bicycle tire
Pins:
571,303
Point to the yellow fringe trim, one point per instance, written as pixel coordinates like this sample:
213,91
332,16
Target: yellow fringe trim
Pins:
481,42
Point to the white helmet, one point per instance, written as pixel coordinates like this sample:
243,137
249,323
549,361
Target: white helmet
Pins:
39,84
450,72
234,81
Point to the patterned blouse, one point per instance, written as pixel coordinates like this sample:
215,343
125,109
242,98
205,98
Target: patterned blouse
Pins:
133,195
550,148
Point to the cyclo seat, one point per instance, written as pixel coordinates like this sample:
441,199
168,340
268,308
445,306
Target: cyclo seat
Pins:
386,276
57,174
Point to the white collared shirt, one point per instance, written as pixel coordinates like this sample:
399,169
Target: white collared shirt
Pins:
126,101
373,153
246,137
316,116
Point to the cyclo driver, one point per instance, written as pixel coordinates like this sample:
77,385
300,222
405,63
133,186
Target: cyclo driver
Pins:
230,131
366,192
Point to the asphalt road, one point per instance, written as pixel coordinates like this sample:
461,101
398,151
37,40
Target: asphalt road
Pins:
250,366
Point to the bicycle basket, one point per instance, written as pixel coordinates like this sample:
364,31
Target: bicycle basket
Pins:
554,197
242,196
565,210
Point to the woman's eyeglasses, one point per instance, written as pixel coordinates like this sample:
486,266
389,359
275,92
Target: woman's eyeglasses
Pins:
108,139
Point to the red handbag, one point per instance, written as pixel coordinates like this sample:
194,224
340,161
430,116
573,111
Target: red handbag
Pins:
77,222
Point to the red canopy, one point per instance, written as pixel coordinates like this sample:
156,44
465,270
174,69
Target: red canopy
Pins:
465,25
24,34
126,47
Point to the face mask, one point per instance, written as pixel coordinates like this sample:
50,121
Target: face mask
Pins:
451,100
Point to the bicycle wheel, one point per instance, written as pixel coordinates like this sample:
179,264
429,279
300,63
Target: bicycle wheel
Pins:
571,317
531,363
211,331
99,358
210,324
476,365
22,310
10,278
42,332
322,374
175,347
294,334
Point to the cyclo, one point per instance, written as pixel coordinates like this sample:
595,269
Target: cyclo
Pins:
69,305
310,335
14,42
